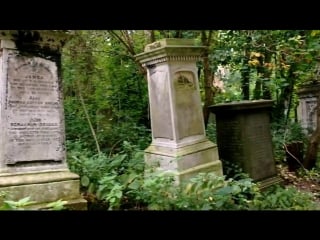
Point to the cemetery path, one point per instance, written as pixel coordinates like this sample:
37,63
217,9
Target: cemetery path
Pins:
307,183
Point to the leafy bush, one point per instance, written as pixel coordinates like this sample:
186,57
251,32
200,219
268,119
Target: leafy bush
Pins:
282,134
211,132
206,191
21,204
285,198
108,177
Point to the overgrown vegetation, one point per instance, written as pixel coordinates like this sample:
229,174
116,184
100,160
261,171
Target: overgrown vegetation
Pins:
108,123
22,204
120,182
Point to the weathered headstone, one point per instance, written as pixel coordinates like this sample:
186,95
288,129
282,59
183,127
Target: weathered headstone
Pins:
244,138
32,137
179,142
306,111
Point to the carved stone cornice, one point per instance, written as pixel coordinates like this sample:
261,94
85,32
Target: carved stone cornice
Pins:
168,50
52,40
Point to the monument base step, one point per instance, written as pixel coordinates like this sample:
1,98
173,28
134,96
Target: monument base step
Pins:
186,161
43,188
72,204
215,167
268,182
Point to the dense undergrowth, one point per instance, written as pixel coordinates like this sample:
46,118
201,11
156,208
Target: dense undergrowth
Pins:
120,181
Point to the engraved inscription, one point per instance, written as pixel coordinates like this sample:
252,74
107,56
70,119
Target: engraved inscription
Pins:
259,144
188,105
229,140
33,111
184,80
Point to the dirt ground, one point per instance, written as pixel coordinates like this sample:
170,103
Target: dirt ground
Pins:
308,183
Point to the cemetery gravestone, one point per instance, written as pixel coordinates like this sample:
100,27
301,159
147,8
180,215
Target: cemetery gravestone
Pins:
244,138
306,111
179,143
32,140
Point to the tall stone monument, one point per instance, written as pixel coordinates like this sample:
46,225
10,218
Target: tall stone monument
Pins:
179,142
32,138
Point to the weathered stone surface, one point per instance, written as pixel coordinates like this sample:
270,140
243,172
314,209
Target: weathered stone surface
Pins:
185,161
44,187
179,142
32,136
36,178
306,111
34,128
244,137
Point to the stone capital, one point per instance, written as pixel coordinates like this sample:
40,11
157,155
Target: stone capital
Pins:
170,49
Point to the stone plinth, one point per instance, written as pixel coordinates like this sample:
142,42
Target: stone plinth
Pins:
179,142
244,138
32,139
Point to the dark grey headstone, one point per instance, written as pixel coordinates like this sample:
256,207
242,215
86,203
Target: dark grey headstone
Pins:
244,136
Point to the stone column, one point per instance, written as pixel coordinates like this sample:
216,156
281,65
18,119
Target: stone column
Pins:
244,137
32,136
179,142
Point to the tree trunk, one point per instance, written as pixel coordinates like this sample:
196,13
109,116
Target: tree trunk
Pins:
207,76
245,74
245,70
266,92
258,86
312,149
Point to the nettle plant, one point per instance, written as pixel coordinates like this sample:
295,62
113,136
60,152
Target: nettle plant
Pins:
207,191
110,178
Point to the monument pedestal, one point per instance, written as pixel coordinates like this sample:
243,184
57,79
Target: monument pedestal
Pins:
43,188
179,143
32,137
186,161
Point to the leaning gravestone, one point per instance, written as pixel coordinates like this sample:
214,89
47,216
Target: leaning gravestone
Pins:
32,137
179,142
244,138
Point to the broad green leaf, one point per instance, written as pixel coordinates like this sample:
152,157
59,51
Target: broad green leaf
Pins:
134,185
85,181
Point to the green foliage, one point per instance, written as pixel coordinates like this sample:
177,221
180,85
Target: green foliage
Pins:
110,190
137,135
211,132
233,170
100,76
16,205
309,175
21,204
206,191
122,182
289,198
57,205
286,134
109,177
232,88
158,191
100,67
